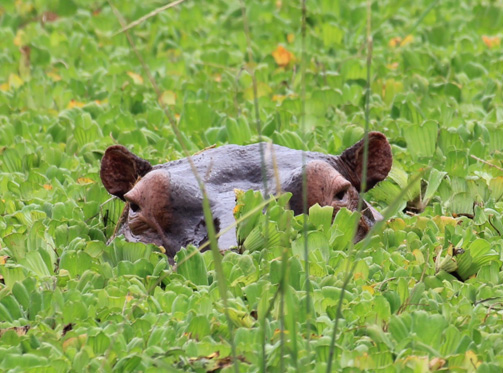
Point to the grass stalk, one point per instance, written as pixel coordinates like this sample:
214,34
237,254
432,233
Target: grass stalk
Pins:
366,241
258,122
147,16
307,284
422,17
282,313
206,203
363,184
258,125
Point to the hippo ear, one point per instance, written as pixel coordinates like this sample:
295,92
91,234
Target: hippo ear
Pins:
120,169
379,160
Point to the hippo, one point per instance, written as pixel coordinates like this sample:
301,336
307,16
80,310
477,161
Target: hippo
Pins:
164,202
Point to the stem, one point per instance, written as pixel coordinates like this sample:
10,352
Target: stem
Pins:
206,202
304,176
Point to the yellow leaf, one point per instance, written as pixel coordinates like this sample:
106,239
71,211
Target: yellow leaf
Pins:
262,90
290,38
137,79
419,256
3,259
277,332
443,221
19,38
213,355
70,342
74,103
397,224
408,39
471,360
279,98
370,289
15,81
282,56
238,193
84,180
4,87
491,41
55,77
47,186
395,41
237,209
392,66
168,98
63,273
23,7
364,361
217,78
129,298
101,102
357,275
416,363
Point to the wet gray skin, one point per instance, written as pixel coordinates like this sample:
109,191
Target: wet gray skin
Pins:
165,202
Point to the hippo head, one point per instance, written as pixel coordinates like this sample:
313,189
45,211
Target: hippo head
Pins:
164,202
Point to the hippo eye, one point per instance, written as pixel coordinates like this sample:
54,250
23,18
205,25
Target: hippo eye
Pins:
134,207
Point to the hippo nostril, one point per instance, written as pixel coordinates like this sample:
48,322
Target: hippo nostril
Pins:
341,193
134,207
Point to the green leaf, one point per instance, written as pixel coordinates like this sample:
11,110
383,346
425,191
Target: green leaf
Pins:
21,294
462,203
343,228
238,131
429,328
321,216
191,265
75,262
399,329
35,262
12,307
496,187
99,343
434,180
128,363
332,35
198,327
421,141
317,244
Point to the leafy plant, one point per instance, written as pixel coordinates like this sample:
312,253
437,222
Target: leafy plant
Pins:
425,293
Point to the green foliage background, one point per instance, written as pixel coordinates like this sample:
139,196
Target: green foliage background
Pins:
69,88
